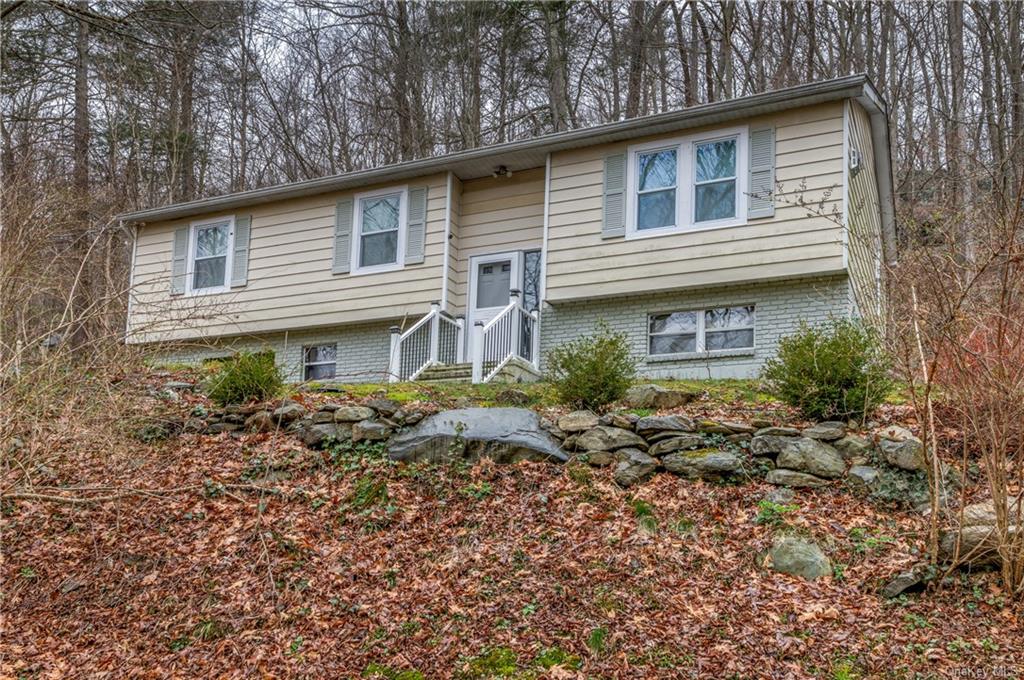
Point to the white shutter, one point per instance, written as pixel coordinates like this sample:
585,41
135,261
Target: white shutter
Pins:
240,256
613,222
179,261
761,184
415,236
343,236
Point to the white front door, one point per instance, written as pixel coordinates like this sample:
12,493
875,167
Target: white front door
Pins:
491,277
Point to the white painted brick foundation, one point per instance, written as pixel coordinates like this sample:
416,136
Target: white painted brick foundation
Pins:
780,306
362,350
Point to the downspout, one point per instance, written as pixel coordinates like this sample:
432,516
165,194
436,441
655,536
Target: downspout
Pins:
447,241
846,185
131,278
544,243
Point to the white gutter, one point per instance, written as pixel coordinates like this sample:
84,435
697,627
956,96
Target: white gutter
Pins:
753,105
447,241
544,243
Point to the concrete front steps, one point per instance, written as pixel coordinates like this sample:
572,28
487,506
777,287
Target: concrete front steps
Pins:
515,371
447,373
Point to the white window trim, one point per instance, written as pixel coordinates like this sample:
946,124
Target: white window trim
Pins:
700,345
190,268
307,364
357,230
686,171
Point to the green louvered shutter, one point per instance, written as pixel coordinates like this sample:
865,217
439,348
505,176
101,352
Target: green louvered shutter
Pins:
342,237
761,202
613,223
179,261
240,256
415,236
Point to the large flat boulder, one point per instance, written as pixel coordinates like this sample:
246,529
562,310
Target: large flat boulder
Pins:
505,435
769,444
827,431
653,424
813,457
607,438
683,441
907,454
702,464
799,557
634,467
578,421
656,397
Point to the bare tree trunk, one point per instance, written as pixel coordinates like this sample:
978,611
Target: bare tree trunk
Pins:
683,49
80,179
556,34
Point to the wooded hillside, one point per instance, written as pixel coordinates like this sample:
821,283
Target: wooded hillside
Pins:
109,106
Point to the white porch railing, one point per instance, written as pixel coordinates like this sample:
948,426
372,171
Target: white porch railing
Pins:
513,332
437,338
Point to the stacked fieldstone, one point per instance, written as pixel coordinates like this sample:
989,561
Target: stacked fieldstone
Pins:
636,446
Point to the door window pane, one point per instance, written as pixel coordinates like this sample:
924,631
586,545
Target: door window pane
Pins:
531,280
493,283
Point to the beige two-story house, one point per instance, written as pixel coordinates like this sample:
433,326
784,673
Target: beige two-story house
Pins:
704,235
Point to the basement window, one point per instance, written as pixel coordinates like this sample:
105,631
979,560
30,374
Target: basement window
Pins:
320,361
720,329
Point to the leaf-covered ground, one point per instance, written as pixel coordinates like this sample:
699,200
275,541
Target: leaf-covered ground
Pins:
257,557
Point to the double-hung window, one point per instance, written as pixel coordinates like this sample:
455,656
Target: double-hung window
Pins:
379,237
702,330
688,183
210,255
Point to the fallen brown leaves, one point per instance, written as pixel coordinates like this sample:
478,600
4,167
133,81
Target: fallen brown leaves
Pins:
320,567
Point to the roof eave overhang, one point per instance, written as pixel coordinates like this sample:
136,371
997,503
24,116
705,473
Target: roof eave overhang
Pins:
525,153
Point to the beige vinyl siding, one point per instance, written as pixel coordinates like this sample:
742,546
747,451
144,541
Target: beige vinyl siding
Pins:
795,242
290,281
865,227
452,269
497,215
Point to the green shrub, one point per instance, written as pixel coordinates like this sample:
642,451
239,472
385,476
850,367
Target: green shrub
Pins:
592,371
837,370
245,377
